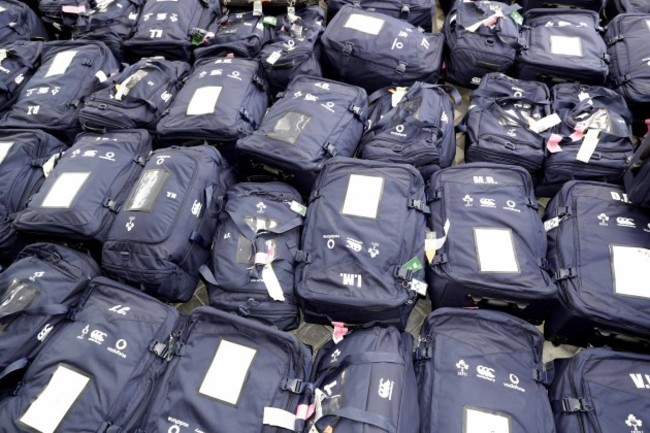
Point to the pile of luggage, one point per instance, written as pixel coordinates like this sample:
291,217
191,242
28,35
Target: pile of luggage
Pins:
301,164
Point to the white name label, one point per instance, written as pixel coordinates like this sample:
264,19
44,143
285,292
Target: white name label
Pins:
363,196
5,147
61,63
65,189
566,45
364,23
228,372
495,249
204,100
48,410
480,421
630,271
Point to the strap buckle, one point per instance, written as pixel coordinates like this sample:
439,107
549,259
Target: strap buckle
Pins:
403,274
295,386
565,273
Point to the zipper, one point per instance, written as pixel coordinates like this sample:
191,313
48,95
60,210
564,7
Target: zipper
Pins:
492,156
413,157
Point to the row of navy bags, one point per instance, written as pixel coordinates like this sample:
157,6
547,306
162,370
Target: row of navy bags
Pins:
420,13
37,292
251,270
313,120
122,360
600,390
373,50
222,101
26,158
111,22
593,139
559,45
81,197
53,96
21,62
497,125
413,125
575,131
19,23
364,239
163,231
134,98
480,370
598,249
490,249
366,382
482,37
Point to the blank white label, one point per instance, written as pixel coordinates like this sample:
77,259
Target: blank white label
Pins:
363,196
630,271
228,372
48,410
566,45
60,63
495,250
5,147
480,421
204,101
65,189
647,22
364,23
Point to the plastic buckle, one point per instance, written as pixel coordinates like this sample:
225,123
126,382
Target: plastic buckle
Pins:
403,274
355,109
296,386
401,68
302,257
419,205
575,405
160,349
563,274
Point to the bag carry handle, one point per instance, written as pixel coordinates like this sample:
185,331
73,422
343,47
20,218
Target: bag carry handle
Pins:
498,303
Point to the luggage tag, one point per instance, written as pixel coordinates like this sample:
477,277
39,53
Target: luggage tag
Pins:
433,244
76,10
541,125
588,145
257,8
291,12
268,274
270,21
397,94
297,29
125,87
339,331
487,22
517,18
3,54
553,143
273,59
298,208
